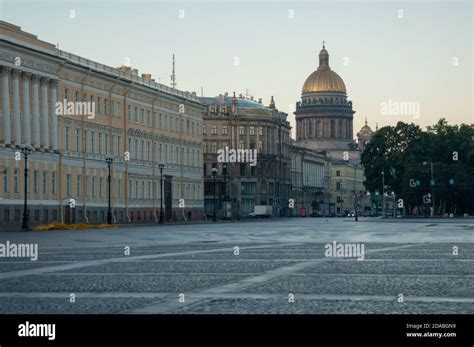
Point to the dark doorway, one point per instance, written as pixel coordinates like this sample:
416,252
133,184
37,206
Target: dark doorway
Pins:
168,197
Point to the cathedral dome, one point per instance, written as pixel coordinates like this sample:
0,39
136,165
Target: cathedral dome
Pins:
324,79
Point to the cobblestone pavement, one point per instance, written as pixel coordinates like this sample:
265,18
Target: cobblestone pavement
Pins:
280,267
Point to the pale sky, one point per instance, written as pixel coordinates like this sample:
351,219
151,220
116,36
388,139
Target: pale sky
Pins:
425,57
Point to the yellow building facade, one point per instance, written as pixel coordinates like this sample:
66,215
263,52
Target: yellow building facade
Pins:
132,119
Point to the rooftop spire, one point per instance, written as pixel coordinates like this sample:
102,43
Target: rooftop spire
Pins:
272,103
323,57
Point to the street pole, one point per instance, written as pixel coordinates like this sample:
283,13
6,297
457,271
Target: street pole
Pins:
383,194
432,188
161,167
25,226
109,161
355,206
214,174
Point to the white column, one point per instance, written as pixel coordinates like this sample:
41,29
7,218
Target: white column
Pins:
44,113
16,107
54,116
6,105
26,108
36,112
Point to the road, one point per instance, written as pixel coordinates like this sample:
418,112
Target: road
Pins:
269,266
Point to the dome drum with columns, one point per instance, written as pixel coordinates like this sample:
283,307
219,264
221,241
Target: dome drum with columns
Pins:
324,116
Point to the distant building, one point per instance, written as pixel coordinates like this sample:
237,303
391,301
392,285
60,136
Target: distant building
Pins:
324,116
310,177
239,123
364,136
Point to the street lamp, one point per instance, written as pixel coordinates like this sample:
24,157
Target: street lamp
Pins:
383,194
109,161
356,203
214,174
26,151
432,185
161,166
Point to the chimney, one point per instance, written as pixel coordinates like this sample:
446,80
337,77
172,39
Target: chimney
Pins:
259,100
124,68
226,94
135,72
147,77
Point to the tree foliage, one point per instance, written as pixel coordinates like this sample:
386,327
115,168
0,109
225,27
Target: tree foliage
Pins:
405,152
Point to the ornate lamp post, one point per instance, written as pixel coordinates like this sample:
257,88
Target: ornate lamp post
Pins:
109,161
161,166
214,174
26,217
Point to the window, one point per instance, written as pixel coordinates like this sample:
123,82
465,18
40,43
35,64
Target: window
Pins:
260,131
101,183
204,131
6,215
68,184
36,182
242,145
214,130
106,106
53,182
129,112
241,130
5,181
78,139
242,170
94,180
166,121
85,140
66,94
214,147
16,182
338,186
224,130
66,138
338,173
143,116
107,144
93,102
99,104
78,96
100,143
136,114
161,121
148,117
252,131
45,182
78,188
92,141
171,122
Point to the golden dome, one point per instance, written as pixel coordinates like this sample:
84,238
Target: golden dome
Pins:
324,79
